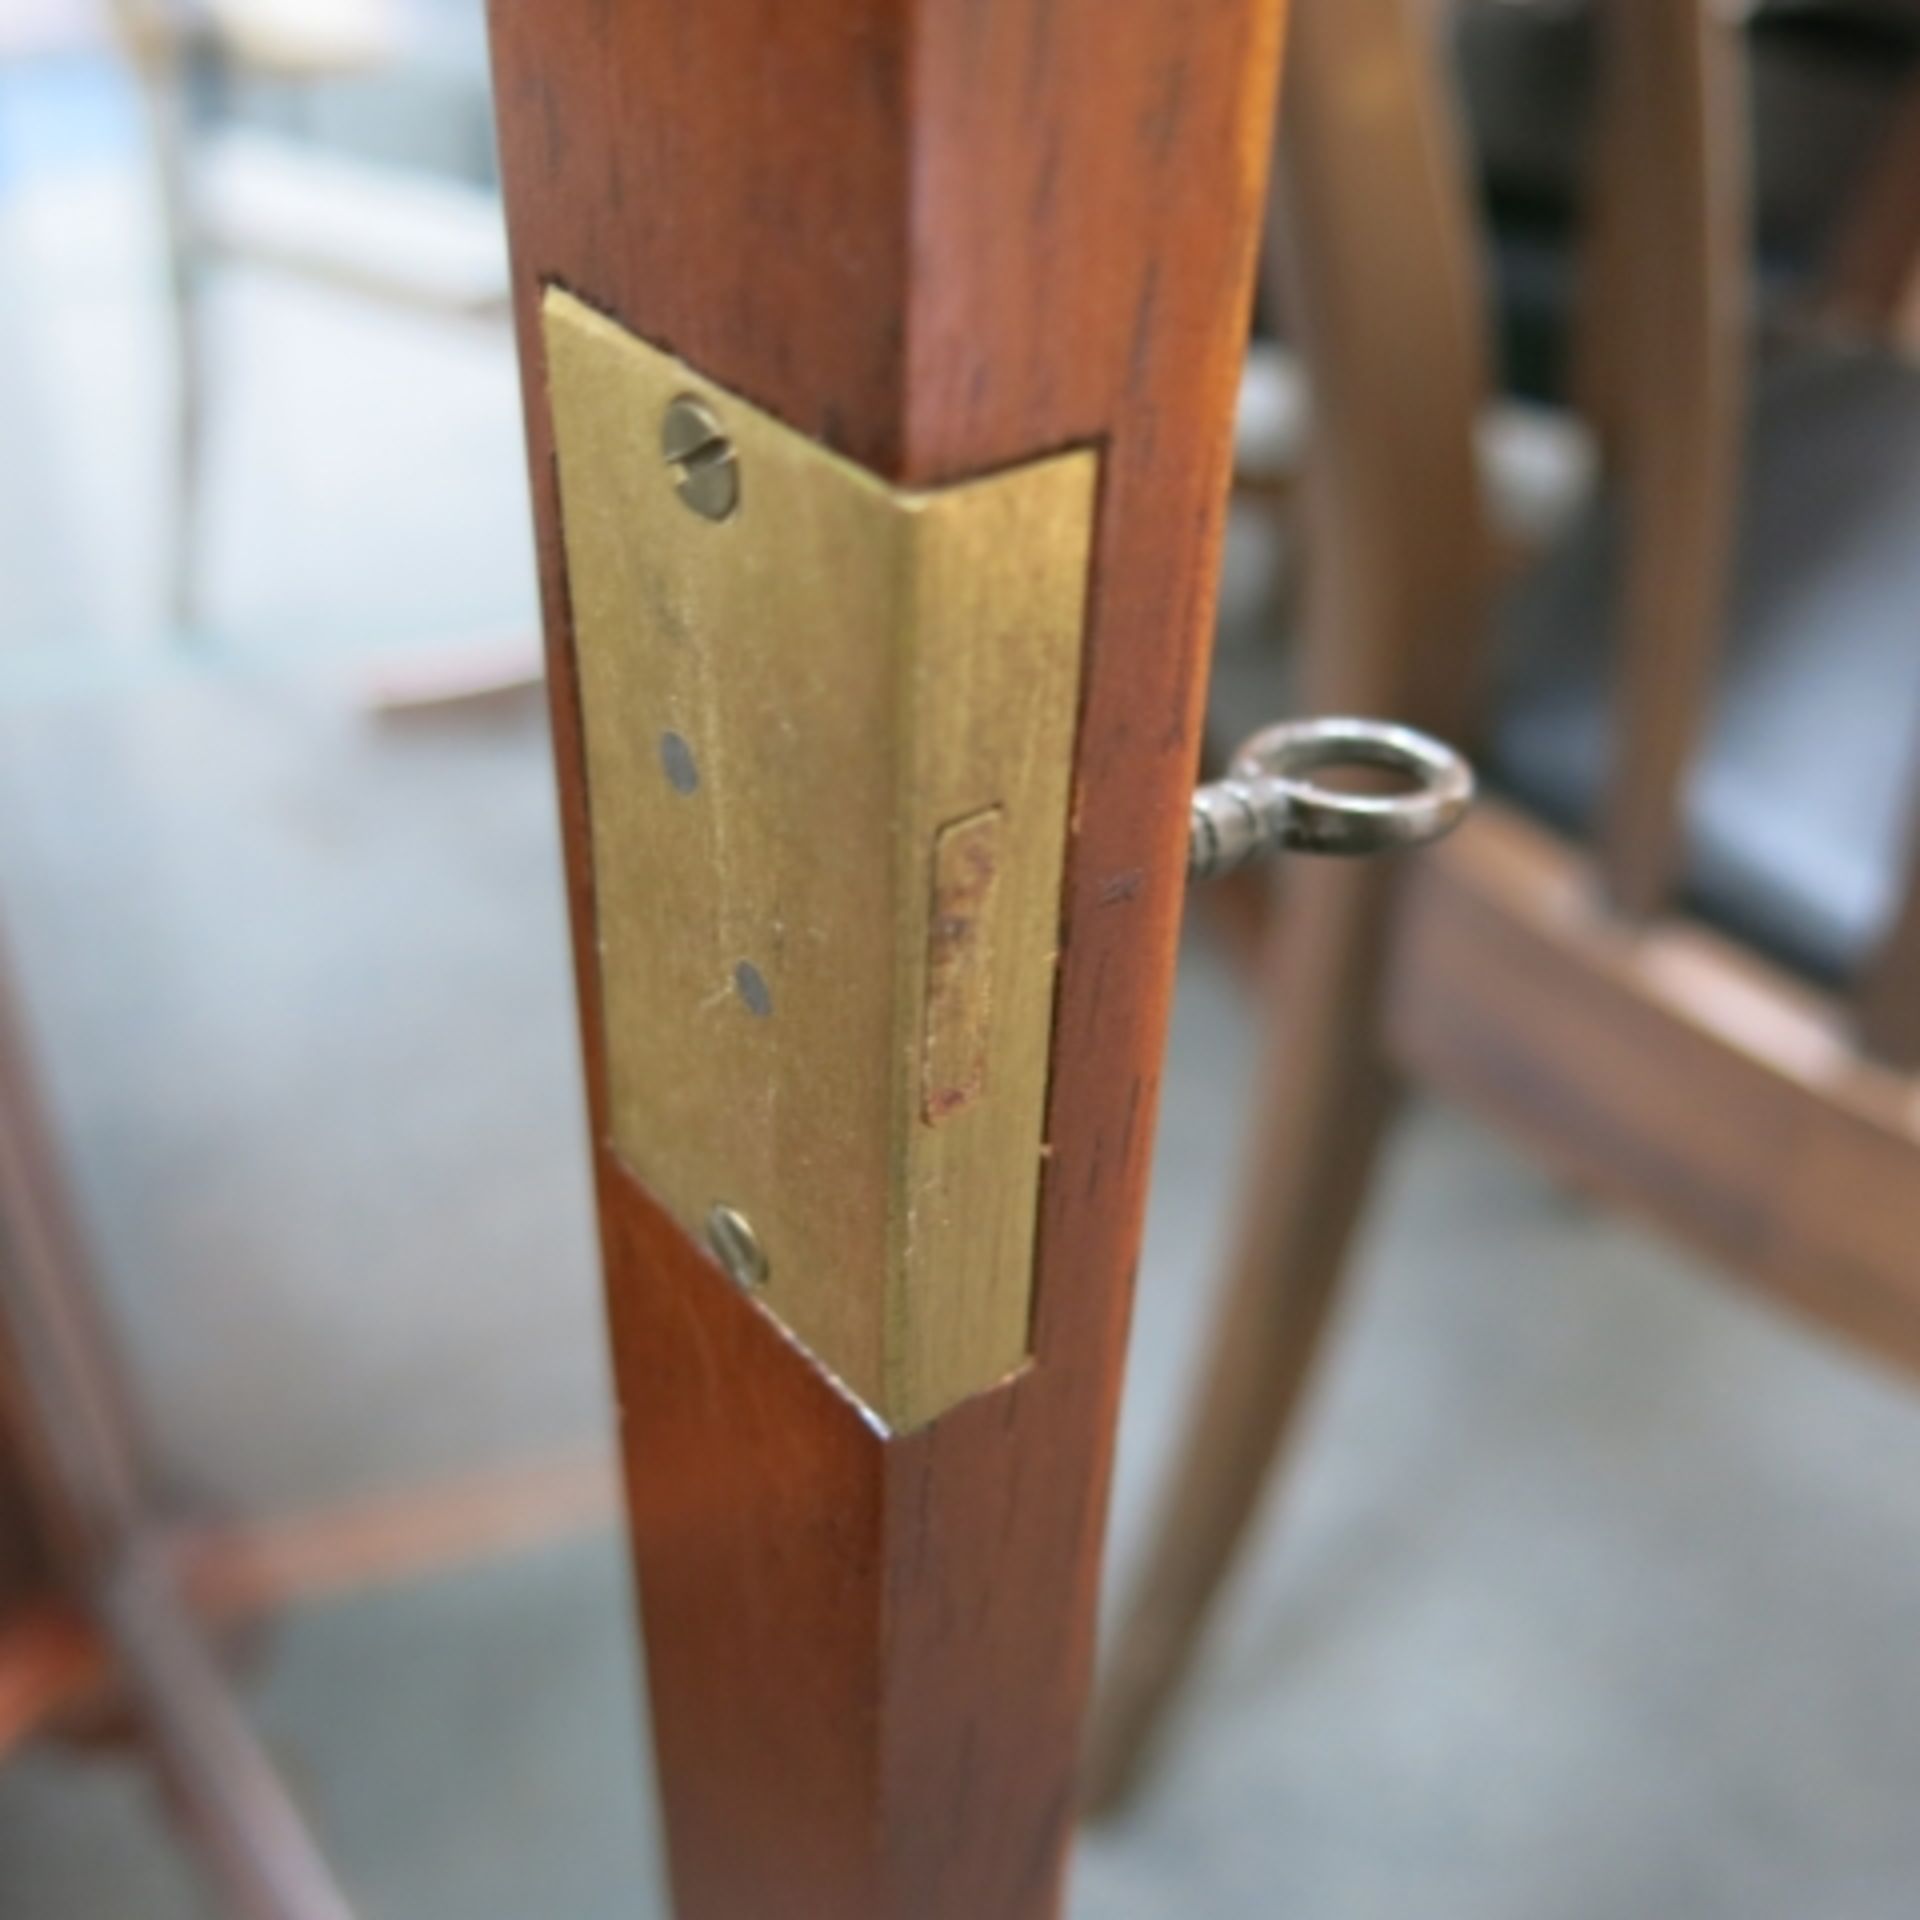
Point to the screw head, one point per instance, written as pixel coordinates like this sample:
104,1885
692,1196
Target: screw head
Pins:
706,471
737,1247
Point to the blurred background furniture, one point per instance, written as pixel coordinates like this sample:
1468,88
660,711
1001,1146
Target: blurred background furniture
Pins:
97,1618
378,1440
1834,104
1708,1013
330,1167
178,50
220,80
1833,99
123,1606
1826,83
348,1257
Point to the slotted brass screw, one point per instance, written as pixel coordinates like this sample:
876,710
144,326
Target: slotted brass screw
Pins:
706,471
737,1247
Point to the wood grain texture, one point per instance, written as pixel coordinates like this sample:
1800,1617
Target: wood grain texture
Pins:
1374,231
1678,296
942,237
1889,994
1680,1077
1870,279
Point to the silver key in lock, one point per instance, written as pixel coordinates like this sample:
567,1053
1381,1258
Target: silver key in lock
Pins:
1270,802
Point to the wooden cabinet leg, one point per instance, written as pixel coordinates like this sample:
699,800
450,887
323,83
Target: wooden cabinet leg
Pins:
944,239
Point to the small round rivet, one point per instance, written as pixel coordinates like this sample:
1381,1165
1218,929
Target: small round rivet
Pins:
706,471
751,985
736,1246
678,764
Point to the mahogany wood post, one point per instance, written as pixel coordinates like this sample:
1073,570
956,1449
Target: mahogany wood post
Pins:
941,237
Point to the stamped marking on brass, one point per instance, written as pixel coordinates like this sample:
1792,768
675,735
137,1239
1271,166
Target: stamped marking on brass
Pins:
966,868
829,730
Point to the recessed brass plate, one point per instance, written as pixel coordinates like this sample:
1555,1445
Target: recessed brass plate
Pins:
829,739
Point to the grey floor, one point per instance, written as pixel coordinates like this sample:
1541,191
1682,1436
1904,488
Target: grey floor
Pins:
1597,1589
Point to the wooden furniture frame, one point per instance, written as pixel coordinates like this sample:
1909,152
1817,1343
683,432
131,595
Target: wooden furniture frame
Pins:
116,1607
89,1599
1647,1058
941,238
1870,279
175,50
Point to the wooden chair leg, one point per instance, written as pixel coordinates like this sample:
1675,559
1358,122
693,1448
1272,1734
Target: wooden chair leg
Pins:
217,1775
1325,1098
75,1474
1869,281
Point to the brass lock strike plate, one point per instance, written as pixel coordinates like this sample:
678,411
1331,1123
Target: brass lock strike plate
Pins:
829,733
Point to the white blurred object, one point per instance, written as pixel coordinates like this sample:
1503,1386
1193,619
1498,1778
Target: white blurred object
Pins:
1539,464
380,235
303,39
377,230
29,28
1270,423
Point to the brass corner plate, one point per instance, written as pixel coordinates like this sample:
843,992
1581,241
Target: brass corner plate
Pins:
829,734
